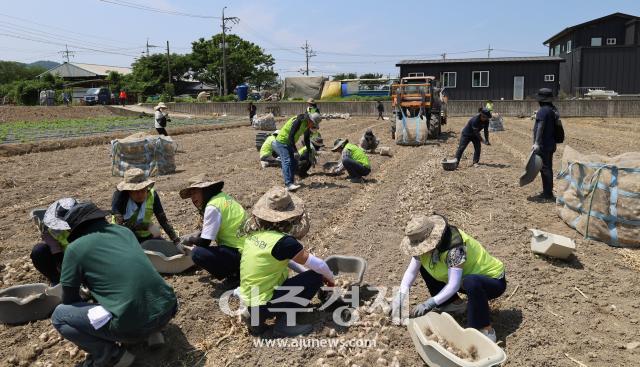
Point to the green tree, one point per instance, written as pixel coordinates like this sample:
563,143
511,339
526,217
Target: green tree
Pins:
246,62
371,76
12,71
343,76
149,73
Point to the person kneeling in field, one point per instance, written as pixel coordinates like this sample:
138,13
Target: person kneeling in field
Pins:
449,261
354,160
369,142
47,256
133,302
307,157
271,246
268,156
222,219
135,202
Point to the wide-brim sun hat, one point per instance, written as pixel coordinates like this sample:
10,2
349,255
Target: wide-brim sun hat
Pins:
315,119
486,112
422,234
200,181
134,179
545,95
339,143
317,141
311,101
160,105
55,212
278,205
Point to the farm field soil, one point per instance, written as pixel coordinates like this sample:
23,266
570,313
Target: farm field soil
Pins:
541,320
46,113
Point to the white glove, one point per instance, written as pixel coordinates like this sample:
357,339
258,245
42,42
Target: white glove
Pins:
398,315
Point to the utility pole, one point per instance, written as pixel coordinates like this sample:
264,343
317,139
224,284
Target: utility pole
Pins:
233,20
489,51
66,53
168,63
149,46
444,55
308,53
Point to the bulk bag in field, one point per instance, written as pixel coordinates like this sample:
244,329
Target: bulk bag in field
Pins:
600,196
155,155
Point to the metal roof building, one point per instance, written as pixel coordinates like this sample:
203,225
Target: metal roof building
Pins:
83,71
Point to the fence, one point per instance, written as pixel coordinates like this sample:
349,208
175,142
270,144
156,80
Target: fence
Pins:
576,108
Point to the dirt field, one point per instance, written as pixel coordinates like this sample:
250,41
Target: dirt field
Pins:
541,320
47,113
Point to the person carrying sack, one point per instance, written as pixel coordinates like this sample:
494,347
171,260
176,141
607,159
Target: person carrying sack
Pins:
135,202
449,260
161,118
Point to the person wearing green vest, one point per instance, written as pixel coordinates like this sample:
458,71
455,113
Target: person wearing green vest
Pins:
354,160
222,221
132,301
307,157
47,256
449,260
268,156
285,144
271,248
135,203
489,105
312,106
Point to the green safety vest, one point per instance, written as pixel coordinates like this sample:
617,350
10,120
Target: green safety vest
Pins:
303,150
489,106
357,154
62,237
259,270
266,150
311,110
148,213
233,218
285,131
478,262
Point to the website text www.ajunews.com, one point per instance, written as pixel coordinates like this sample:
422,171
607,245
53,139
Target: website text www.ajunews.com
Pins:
304,343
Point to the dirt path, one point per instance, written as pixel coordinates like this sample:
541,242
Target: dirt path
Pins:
544,319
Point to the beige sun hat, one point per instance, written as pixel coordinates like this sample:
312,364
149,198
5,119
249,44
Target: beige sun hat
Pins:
134,179
422,234
160,105
200,181
278,205
311,101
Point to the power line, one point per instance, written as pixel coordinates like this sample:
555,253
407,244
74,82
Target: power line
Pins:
66,53
49,42
129,4
234,20
308,53
149,46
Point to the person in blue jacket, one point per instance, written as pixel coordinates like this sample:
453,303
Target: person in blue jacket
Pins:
544,140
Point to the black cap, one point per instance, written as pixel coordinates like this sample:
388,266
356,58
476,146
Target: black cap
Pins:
83,212
486,112
545,95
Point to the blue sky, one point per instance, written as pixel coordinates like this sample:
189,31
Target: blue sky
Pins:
358,36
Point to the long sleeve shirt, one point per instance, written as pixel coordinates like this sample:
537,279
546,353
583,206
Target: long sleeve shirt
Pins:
119,207
474,126
544,129
297,124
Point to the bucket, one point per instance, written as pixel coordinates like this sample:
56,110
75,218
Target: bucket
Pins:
449,164
28,302
165,257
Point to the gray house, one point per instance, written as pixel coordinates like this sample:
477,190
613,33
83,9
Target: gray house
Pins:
509,78
603,53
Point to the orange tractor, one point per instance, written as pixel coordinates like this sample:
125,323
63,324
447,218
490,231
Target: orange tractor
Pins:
418,110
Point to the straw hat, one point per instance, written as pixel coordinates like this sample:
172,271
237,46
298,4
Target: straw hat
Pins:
278,205
56,211
339,143
317,141
134,179
160,105
422,234
200,181
311,101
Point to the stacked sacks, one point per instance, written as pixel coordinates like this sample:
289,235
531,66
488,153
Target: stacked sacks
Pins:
155,155
264,122
600,196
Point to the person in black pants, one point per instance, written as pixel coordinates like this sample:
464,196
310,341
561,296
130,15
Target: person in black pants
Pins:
471,134
544,140
252,111
380,108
